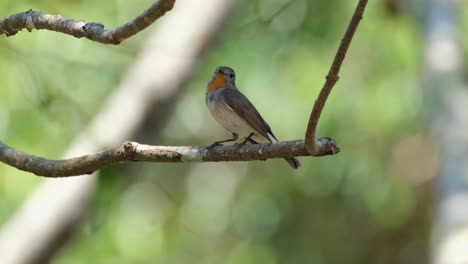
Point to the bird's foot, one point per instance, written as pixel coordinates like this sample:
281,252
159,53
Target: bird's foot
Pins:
240,144
215,144
247,139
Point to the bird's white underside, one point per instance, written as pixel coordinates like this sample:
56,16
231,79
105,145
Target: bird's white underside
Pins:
232,122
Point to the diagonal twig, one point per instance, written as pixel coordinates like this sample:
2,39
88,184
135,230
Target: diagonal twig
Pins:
30,20
132,151
332,77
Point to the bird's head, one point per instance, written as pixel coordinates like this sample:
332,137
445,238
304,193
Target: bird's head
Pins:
223,77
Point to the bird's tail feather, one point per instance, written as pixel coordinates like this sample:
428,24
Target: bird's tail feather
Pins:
293,162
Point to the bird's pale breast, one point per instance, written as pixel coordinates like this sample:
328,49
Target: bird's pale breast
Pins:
231,121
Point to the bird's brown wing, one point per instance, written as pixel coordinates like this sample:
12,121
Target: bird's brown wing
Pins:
245,109
235,100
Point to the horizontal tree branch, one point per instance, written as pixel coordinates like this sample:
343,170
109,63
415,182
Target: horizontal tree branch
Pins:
332,77
30,20
132,151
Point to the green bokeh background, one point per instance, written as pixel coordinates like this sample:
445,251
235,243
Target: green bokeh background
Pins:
369,204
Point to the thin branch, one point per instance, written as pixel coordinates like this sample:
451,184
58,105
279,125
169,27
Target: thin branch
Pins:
268,20
30,20
279,11
132,151
332,77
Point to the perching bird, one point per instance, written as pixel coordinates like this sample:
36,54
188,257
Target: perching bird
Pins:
236,113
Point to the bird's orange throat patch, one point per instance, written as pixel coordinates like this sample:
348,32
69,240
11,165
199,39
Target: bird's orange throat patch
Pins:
218,82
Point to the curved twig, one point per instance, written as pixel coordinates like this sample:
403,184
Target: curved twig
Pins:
132,151
332,77
30,20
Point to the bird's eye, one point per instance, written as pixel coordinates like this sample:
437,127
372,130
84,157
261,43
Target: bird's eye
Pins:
231,75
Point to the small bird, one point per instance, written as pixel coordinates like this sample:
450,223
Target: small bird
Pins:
232,110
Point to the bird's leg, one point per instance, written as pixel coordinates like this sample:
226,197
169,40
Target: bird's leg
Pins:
248,139
234,138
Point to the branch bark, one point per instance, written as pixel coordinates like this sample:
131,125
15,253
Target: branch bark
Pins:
332,78
30,20
132,151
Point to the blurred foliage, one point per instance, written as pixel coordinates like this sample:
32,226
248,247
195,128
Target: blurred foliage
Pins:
369,204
